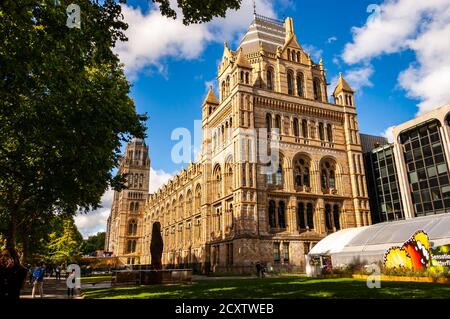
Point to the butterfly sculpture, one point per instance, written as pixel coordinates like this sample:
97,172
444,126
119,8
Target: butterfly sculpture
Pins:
413,255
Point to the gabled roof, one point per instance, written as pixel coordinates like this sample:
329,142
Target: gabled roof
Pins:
211,97
241,60
342,86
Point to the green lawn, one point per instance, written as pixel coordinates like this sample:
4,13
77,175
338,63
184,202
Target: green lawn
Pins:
96,279
290,287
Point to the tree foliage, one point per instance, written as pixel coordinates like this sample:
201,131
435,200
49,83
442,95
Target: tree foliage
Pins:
94,243
198,11
64,110
65,246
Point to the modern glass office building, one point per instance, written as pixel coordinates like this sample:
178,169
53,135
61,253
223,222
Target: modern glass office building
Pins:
384,190
422,155
427,168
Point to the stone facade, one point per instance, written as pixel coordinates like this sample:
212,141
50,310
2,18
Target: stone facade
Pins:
234,207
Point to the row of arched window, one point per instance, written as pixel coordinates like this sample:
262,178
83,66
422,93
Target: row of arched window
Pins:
325,130
277,214
346,99
131,246
305,215
135,180
225,86
134,207
293,55
302,174
222,134
295,84
180,208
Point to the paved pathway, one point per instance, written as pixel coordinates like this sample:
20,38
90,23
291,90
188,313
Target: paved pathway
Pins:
53,289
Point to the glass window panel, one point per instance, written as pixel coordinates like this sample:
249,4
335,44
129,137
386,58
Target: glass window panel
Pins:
442,168
425,195
413,177
446,192
431,171
435,194
438,204
427,207
433,182
416,197
443,180
437,148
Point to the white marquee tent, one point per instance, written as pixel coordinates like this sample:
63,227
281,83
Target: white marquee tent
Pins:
368,244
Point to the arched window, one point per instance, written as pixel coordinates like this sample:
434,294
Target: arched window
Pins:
198,197
272,221
281,214
130,180
278,123
328,178
295,127
229,179
141,180
447,119
317,90
247,80
301,215
305,128
132,207
132,228
298,56
328,217
310,216
131,246
290,80
293,55
321,132
227,86
222,90
279,175
136,180
329,133
289,54
242,76
301,172
136,207
336,215
300,84
269,123
269,75
217,182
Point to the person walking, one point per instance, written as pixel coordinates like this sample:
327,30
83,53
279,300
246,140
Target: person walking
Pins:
258,269
58,272
38,280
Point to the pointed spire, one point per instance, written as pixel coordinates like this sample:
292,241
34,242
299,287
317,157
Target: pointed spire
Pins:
211,97
289,28
342,86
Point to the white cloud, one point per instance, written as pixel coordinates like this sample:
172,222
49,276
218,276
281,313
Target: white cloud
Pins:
93,222
359,77
315,53
423,27
158,178
332,39
152,37
389,134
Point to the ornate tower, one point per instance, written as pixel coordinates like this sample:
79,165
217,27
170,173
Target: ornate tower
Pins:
125,223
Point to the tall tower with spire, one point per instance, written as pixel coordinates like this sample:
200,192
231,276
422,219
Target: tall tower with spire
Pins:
125,225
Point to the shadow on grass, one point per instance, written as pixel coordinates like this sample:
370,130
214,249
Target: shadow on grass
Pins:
277,288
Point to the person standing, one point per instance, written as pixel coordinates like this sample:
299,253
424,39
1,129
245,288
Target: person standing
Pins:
38,280
70,289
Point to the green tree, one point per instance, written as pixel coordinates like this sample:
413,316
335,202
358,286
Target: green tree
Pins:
198,11
93,243
65,247
64,113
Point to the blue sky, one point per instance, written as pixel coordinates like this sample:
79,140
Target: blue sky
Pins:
397,60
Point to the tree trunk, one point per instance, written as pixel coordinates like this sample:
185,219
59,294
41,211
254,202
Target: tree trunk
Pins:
12,230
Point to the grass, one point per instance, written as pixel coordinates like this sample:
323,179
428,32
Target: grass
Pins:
96,279
287,287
